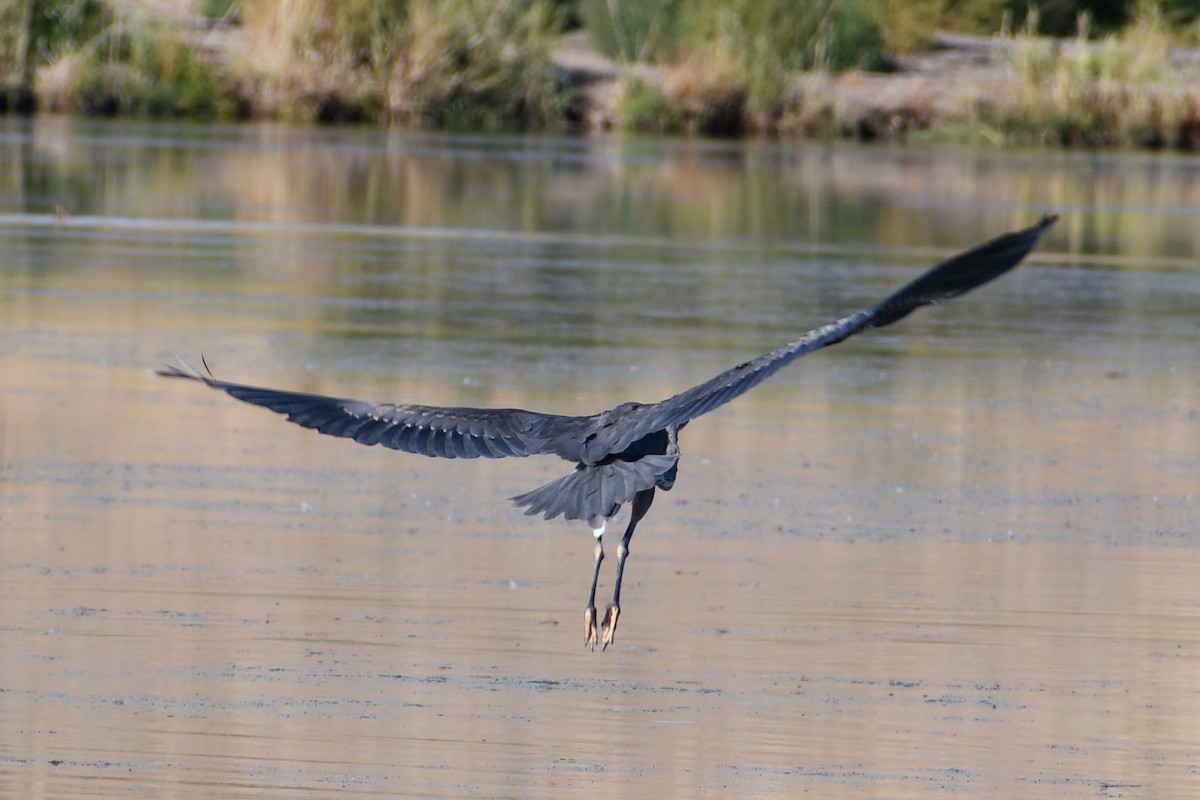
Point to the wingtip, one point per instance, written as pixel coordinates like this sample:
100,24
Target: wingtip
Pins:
186,370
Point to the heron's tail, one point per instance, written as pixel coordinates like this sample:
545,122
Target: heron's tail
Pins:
599,490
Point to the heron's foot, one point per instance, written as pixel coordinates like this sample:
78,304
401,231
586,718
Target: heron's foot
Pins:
610,625
589,623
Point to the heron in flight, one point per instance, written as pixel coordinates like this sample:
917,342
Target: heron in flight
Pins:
621,455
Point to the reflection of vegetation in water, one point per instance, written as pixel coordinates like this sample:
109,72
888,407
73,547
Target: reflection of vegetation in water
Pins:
761,191
628,228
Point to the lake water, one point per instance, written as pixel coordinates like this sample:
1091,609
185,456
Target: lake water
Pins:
955,557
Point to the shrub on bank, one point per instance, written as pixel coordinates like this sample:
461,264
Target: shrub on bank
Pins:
1120,91
446,63
709,67
137,66
727,66
474,64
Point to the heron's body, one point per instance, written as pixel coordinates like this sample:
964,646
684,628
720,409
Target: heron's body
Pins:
622,455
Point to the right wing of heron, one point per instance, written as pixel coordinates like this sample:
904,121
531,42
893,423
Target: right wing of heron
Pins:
425,430
951,278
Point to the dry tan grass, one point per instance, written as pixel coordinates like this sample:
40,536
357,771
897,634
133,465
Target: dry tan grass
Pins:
55,82
288,59
1123,90
481,64
709,93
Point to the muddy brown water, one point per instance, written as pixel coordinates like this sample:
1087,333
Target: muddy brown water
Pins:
954,558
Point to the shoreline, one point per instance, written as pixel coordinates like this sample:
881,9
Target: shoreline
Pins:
1010,90
961,89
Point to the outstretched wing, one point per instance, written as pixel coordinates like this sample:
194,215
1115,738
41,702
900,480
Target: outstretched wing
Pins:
426,430
948,280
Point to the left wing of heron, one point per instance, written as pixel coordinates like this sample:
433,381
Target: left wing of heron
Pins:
425,430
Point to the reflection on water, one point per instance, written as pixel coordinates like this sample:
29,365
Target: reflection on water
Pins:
955,556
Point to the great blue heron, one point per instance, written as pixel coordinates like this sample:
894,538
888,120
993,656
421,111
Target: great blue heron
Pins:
621,455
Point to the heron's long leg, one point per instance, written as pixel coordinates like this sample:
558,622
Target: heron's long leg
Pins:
589,613
639,507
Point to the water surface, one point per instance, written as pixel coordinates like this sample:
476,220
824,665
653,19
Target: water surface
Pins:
952,557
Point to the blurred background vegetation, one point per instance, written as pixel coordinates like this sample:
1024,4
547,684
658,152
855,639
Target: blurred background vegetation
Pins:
709,66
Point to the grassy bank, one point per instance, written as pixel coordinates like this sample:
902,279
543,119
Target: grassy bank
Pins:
1129,89
826,68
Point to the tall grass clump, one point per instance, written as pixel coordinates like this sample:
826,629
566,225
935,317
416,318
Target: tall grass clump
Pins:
631,31
313,58
798,34
34,35
477,64
1119,90
644,106
135,63
909,25
729,63
444,63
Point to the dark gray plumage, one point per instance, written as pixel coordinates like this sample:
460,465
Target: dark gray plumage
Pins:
621,455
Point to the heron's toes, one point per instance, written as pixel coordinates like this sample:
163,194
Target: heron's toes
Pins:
589,623
610,625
